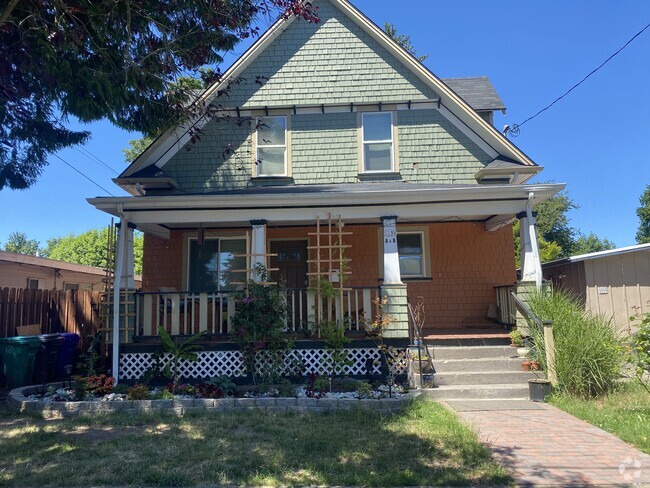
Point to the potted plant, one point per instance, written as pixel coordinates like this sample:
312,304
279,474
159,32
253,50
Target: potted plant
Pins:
526,365
519,342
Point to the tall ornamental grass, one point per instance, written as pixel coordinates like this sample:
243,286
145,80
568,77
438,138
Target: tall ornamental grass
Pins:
587,353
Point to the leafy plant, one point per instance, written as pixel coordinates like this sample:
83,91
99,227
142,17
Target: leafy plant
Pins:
376,330
207,390
286,388
182,351
138,392
89,359
315,388
259,328
516,338
163,394
588,362
224,383
157,370
363,389
637,351
335,341
95,385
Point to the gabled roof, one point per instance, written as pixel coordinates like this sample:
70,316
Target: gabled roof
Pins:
478,92
451,104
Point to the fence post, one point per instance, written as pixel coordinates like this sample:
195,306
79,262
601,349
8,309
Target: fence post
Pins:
549,342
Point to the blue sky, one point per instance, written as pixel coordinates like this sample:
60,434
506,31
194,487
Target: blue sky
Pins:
597,140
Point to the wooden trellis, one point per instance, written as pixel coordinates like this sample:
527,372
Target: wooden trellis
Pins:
330,269
249,269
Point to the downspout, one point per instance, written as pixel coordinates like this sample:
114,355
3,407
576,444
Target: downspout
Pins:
532,235
117,282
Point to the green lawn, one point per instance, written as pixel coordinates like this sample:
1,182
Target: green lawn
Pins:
425,445
625,413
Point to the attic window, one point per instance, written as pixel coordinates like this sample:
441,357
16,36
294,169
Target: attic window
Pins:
377,129
272,146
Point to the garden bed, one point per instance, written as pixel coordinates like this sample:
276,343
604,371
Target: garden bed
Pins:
27,399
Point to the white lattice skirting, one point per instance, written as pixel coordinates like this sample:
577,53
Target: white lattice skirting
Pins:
230,363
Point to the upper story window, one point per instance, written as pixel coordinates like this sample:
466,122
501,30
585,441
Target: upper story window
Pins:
272,146
377,134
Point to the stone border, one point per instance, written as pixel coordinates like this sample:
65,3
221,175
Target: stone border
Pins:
18,400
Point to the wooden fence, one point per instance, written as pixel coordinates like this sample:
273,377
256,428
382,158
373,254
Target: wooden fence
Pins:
55,311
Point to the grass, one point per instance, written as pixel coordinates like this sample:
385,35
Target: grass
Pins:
624,413
424,445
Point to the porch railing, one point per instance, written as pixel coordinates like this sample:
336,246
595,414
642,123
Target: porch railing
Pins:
506,310
185,313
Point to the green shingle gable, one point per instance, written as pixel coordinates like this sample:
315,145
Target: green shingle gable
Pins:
334,61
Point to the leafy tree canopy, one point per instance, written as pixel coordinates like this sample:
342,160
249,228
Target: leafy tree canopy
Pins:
643,212
18,242
591,243
403,40
91,249
136,147
108,59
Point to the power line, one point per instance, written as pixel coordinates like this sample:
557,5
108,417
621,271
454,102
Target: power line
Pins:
82,174
94,158
514,129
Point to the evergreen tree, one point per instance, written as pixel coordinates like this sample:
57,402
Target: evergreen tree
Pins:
108,59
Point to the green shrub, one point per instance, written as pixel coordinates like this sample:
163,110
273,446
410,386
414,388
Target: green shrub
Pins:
138,392
587,352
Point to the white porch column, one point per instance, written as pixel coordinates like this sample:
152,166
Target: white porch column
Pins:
258,247
391,257
392,289
531,266
128,267
120,261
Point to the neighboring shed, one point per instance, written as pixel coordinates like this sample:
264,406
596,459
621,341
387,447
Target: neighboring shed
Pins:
614,283
25,271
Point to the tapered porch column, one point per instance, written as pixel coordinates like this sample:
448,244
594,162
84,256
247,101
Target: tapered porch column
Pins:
258,248
123,279
531,266
392,289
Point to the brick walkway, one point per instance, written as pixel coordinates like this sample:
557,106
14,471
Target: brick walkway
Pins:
547,446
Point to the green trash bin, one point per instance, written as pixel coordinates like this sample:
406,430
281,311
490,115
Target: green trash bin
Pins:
18,354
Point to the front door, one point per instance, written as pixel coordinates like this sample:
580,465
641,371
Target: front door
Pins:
291,262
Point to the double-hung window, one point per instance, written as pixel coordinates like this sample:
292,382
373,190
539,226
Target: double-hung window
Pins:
410,247
377,134
271,154
215,265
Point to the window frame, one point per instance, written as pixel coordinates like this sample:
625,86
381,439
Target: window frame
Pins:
287,146
41,283
393,142
424,231
422,254
188,257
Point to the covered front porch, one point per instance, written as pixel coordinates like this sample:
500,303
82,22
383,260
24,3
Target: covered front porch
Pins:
336,251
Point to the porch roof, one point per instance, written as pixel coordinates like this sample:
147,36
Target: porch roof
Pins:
301,204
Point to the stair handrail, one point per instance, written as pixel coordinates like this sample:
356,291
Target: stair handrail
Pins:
547,327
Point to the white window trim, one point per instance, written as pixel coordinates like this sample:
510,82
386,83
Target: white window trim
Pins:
423,255
363,142
40,283
423,230
287,146
188,256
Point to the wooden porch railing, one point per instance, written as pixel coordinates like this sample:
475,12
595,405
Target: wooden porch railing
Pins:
506,309
184,313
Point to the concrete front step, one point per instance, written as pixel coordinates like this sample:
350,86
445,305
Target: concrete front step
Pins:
475,392
486,378
471,352
477,365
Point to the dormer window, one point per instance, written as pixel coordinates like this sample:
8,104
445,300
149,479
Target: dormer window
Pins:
377,135
271,135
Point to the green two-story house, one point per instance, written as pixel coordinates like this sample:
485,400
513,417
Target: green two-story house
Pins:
331,154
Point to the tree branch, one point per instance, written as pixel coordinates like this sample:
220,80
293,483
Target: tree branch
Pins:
7,11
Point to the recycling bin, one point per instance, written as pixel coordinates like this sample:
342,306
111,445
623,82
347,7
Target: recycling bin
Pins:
67,353
18,357
45,361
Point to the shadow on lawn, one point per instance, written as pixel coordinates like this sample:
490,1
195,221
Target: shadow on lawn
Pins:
425,445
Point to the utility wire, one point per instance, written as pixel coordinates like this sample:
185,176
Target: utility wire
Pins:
94,158
82,174
514,129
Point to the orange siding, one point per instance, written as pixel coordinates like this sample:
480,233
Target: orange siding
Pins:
467,262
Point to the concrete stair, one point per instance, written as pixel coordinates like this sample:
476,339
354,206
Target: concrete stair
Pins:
470,370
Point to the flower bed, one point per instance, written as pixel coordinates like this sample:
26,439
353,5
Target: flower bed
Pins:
27,399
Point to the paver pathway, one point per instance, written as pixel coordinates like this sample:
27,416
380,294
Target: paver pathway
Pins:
546,446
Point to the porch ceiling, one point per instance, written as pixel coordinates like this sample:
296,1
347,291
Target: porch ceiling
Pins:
302,204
